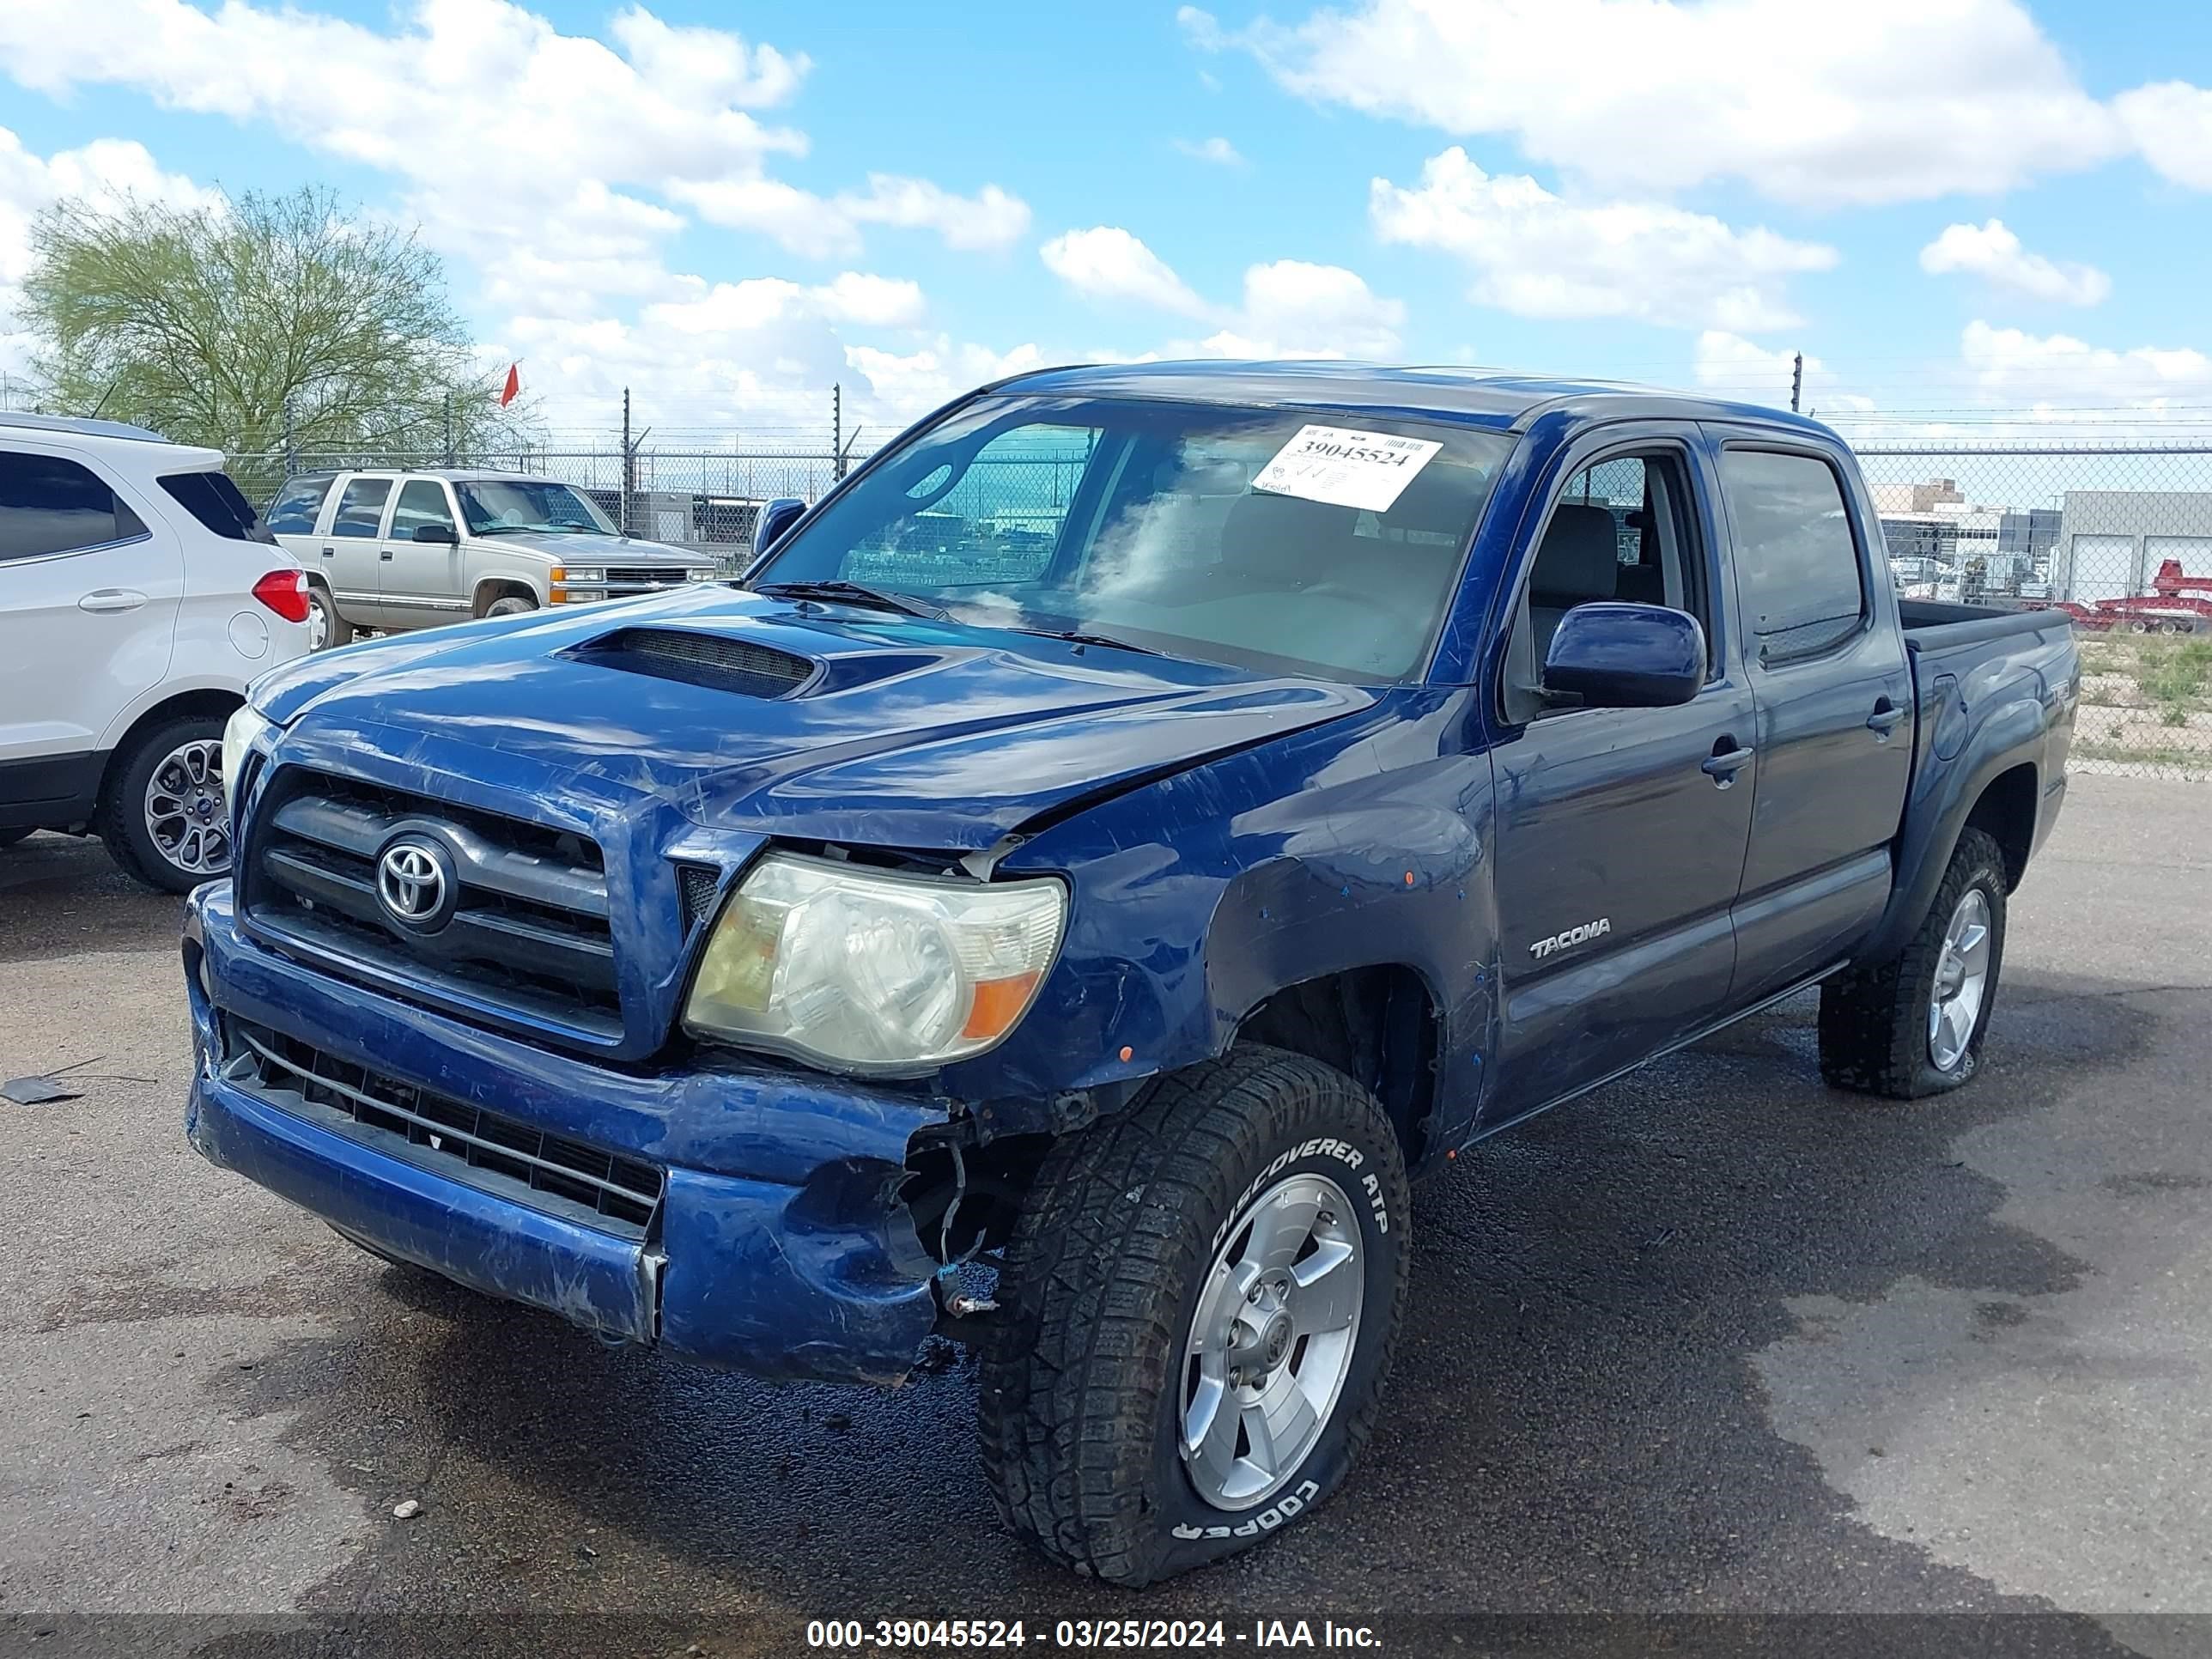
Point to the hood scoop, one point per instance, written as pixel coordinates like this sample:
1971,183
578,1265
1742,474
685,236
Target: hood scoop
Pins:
715,661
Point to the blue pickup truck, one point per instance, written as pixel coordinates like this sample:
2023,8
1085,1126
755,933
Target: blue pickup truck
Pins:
1101,851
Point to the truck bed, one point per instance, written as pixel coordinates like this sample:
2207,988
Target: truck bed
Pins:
1932,625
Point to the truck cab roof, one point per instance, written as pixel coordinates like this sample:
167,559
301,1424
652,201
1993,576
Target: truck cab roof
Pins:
1503,402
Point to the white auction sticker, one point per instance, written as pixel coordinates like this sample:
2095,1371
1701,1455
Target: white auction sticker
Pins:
1345,468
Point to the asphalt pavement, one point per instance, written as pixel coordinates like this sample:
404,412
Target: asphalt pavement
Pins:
1712,1344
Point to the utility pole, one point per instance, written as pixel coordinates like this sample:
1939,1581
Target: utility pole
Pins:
1797,381
626,455
291,454
837,430
449,428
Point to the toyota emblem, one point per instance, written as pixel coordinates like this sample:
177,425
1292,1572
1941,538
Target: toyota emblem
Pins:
414,881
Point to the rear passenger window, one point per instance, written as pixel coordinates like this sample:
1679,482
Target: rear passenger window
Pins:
361,509
48,505
1797,565
293,511
218,504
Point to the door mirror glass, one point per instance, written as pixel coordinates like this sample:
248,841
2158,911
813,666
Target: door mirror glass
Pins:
436,533
1612,655
776,517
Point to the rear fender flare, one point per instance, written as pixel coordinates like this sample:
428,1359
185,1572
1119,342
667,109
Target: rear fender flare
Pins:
2009,734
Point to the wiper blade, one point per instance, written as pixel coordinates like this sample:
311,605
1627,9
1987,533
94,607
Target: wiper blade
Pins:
854,593
1074,637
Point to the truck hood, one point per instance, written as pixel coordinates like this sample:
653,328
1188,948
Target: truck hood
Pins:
570,547
905,733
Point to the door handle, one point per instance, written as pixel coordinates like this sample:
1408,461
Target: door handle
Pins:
112,599
386,556
1886,718
330,552
1725,763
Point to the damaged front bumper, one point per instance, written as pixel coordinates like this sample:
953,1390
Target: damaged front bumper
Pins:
776,1243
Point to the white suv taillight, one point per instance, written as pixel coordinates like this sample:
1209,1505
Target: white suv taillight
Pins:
284,591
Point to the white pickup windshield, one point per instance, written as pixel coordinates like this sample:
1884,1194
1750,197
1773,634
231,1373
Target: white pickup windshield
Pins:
1313,541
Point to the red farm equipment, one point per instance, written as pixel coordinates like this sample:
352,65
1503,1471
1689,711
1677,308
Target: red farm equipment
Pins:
2169,607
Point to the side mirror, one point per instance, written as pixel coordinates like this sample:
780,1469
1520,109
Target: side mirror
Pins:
437,532
776,517
1609,655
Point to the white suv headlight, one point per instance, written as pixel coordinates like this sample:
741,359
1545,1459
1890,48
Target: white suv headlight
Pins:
865,971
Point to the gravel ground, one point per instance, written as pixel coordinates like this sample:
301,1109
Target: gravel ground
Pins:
1713,1344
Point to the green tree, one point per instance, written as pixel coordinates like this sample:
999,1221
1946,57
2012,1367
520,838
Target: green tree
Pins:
208,323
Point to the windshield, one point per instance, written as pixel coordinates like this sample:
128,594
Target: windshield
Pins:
1308,542
495,505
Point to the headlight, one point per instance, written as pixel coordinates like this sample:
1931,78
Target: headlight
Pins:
705,576
244,724
869,972
582,573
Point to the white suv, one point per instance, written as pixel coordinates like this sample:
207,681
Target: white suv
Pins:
139,593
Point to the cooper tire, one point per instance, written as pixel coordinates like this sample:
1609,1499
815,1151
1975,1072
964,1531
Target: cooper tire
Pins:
1088,1373
1876,1022
126,820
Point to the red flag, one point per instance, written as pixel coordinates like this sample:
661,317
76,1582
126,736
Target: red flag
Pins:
513,389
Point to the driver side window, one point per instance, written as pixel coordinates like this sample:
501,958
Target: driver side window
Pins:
1620,529
999,525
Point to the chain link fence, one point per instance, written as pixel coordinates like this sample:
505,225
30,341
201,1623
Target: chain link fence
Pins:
2117,537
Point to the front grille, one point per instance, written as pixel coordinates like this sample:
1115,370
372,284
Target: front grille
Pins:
528,931
645,575
485,1149
714,661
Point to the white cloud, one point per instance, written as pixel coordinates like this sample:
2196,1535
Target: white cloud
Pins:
1220,151
2057,372
818,225
105,172
1293,309
873,301
1540,255
2171,122
710,66
911,384
477,100
1729,366
1290,308
1992,252
1817,101
556,169
1107,262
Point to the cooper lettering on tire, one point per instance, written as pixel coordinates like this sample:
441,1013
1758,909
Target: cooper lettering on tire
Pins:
1200,1301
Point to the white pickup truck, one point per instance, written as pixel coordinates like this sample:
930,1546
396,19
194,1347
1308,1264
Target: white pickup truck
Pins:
393,551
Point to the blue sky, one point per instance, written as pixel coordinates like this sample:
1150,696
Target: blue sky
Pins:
1684,194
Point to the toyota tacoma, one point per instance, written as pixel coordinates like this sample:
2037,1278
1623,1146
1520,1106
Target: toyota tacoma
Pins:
1099,853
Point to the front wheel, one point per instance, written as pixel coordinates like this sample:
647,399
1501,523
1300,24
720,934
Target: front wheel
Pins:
165,817
1198,1306
1913,1026
513,605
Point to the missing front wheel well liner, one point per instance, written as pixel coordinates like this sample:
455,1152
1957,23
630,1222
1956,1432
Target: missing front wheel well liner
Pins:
1377,1025
964,1204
